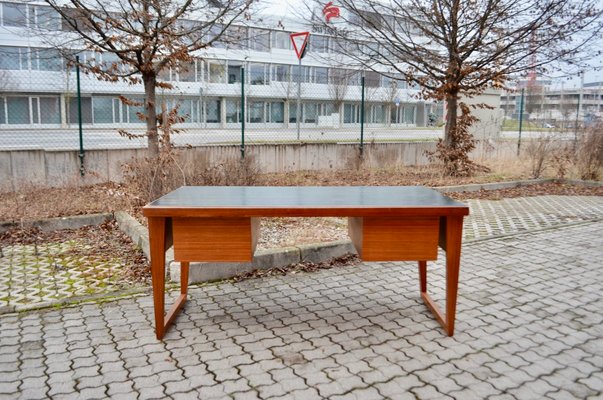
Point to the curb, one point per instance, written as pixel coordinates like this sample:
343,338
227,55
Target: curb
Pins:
55,224
476,187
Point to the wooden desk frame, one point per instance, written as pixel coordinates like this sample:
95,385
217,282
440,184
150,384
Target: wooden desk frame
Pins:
366,226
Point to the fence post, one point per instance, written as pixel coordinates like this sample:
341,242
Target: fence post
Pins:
242,112
362,116
79,114
520,120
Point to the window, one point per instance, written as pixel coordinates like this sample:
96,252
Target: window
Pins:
86,110
256,111
280,73
186,71
13,58
234,72
102,109
233,111
257,74
277,112
50,110
281,40
13,14
372,79
213,111
351,113
46,60
43,17
217,71
259,39
319,44
17,109
293,112
310,113
236,37
185,109
320,75
378,114
2,115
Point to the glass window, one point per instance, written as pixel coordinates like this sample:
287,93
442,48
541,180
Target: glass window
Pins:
320,75
13,14
256,111
185,109
233,111
43,17
277,112
35,110
236,37
310,113
372,79
186,71
213,111
86,110
257,74
212,36
102,108
259,39
217,71
306,73
293,112
2,115
17,109
378,114
351,113
281,40
133,110
50,111
318,43
47,60
234,72
280,73
10,58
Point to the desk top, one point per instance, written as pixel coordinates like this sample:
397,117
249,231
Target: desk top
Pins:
276,201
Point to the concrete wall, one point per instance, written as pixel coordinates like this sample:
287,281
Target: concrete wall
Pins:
20,169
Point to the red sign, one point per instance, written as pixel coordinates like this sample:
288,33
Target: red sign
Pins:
300,41
330,11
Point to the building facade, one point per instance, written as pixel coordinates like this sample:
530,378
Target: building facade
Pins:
558,108
38,90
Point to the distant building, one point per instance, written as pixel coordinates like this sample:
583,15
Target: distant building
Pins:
559,107
38,91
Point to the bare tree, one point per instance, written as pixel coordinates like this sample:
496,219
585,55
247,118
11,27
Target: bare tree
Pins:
144,38
459,48
339,84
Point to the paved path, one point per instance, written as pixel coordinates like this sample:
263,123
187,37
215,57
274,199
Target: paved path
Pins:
35,276
529,326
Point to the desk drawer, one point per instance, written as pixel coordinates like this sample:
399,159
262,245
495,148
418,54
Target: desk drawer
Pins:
395,238
215,239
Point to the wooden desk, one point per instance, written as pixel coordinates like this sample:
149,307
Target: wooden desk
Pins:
385,223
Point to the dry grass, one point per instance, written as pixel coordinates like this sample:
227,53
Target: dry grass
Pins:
37,203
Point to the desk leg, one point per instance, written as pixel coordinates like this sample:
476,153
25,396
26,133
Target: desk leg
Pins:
157,244
453,237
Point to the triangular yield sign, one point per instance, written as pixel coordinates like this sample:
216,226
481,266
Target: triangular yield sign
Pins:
300,41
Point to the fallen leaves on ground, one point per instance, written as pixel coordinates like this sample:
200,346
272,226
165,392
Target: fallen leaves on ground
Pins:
346,260
105,241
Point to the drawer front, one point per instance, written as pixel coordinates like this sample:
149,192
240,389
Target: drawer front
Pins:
214,239
395,238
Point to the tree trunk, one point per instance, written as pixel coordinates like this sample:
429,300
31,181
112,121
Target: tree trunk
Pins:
451,117
150,81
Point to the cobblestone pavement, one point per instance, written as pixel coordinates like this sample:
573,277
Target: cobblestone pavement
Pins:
499,217
39,275
32,277
529,326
